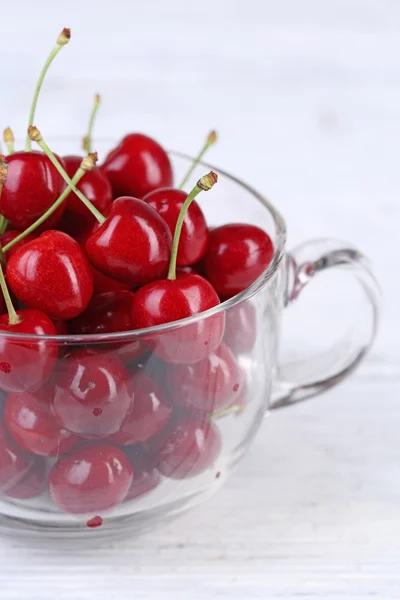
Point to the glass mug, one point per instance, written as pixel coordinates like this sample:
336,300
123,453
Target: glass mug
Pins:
125,468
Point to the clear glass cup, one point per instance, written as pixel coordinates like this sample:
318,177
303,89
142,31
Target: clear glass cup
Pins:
204,422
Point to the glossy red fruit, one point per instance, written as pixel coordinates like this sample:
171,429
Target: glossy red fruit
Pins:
145,478
186,449
209,385
14,461
96,186
53,274
26,364
110,312
32,484
149,414
91,479
194,235
236,256
167,301
240,327
133,245
137,166
33,184
29,419
8,236
93,393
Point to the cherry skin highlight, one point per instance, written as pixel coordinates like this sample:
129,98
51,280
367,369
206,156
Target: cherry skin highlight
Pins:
137,166
51,273
237,254
25,365
170,300
194,235
91,479
133,245
30,421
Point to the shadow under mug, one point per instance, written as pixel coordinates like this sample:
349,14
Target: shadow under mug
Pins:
251,340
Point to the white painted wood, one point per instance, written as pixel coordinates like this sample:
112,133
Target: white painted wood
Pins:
306,96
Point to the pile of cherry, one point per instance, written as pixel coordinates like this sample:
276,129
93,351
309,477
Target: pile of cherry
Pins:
108,249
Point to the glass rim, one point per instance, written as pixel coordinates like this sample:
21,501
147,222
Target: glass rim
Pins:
246,294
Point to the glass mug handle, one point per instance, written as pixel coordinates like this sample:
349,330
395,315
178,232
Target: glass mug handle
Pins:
302,379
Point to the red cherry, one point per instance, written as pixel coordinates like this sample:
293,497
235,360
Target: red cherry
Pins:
30,421
137,166
209,385
150,413
187,449
109,313
53,274
145,478
236,256
10,235
133,245
93,393
241,327
61,327
33,484
170,300
33,184
25,365
193,239
14,461
91,479
96,186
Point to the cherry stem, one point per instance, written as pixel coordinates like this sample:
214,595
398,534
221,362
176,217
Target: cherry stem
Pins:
86,165
62,40
13,318
3,224
203,185
211,139
9,140
87,142
3,177
36,136
234,409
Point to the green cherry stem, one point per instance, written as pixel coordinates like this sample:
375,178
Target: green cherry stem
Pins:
211,139
13,318
86,165
203,185
87,140
62,40
9,140
36,136
234,409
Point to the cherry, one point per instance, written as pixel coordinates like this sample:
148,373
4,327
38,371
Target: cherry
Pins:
51,273
95,186
168,203
209,385
241,327
237,254
30,421
110,312
145,478
137,166
14,461
26,364
32,186
133,245
91,479
186,449
32,484
93,393
61,327
8,236
150,413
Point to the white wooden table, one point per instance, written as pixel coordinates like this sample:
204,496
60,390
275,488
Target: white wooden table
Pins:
306,97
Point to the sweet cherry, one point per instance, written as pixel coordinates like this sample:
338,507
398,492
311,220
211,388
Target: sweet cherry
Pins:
93,393
91,479
168,203
236,256
32,424
241,327
145,478
8,236
51,273
14,461
133,244
137,166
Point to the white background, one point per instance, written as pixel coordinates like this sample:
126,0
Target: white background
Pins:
305,95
